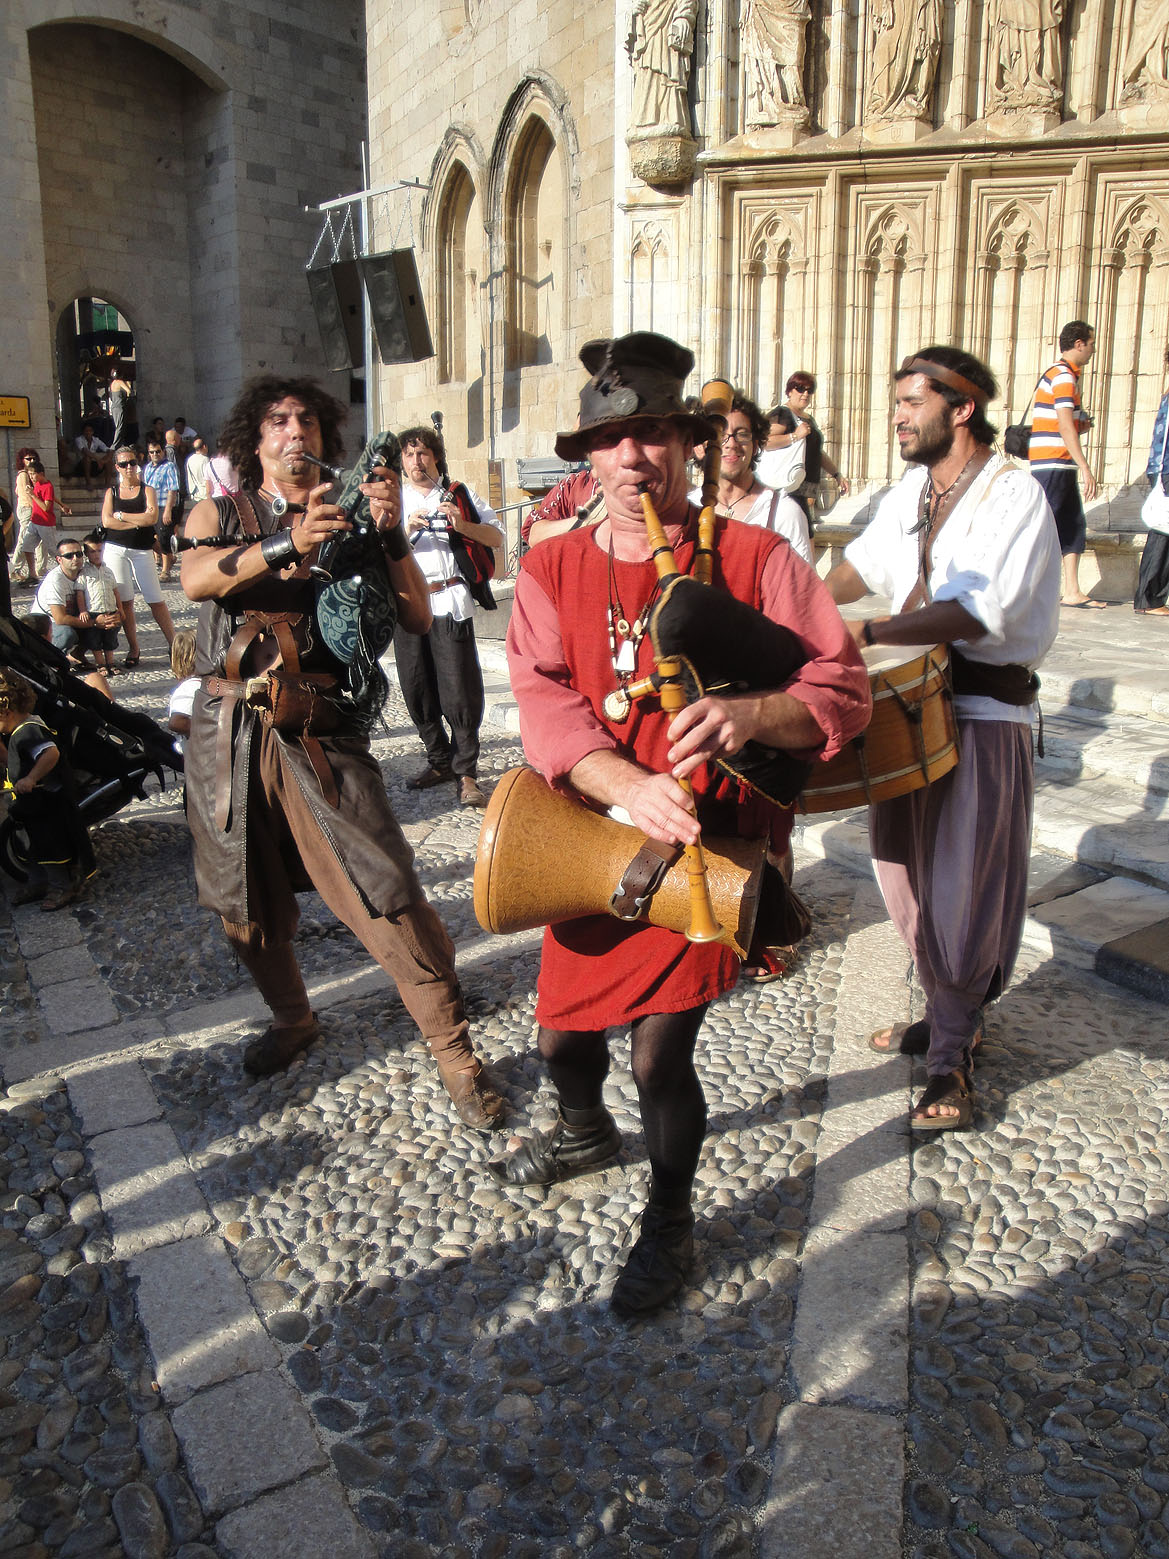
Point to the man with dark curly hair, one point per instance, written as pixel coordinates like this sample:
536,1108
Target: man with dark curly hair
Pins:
283,791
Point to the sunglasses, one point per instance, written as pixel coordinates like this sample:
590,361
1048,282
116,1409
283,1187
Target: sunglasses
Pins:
125,465
71,554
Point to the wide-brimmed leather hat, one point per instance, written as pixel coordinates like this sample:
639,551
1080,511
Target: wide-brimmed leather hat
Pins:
640,375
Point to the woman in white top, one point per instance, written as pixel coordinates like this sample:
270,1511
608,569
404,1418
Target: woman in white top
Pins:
741,496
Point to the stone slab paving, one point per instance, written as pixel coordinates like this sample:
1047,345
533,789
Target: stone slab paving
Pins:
427,1364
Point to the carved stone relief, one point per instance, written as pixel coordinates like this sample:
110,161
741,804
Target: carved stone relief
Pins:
660,46
1026,55
907,39
1145,72
772,53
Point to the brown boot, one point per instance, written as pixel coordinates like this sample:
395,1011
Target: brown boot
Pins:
279,1046
476,1099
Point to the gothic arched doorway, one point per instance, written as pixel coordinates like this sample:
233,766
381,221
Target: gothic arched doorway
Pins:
94,342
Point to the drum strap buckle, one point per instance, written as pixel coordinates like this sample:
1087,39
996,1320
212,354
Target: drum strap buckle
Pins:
642,878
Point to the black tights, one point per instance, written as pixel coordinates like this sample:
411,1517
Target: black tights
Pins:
673,1109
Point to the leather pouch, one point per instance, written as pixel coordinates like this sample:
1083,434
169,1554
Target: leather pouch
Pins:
294,705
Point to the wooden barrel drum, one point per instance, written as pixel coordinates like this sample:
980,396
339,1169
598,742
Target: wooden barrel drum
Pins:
911,740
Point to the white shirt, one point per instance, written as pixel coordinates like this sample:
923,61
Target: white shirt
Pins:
782,468
773,511
182,702
93,446
997,555
433,554
101,588
198,473
57,590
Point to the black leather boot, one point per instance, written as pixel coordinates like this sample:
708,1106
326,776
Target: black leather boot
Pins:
571,1148
658,1263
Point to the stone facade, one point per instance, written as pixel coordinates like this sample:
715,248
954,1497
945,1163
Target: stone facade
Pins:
504,113
865,179
159,157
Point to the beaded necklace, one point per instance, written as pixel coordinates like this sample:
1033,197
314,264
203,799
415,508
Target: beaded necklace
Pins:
624,640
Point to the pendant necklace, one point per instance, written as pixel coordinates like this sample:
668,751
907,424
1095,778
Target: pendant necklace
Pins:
624,639
276,502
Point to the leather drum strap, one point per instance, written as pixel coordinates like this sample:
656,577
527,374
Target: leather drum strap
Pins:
642,878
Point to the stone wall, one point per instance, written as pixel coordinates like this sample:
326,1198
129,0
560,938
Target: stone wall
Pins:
504,113
161,157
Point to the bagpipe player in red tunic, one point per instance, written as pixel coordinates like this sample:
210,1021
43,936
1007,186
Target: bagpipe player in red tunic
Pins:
576,643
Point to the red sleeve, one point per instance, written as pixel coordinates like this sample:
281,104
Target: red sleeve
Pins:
833,682
563,501
557,724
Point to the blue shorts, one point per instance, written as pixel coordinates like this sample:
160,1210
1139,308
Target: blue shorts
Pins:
1062,489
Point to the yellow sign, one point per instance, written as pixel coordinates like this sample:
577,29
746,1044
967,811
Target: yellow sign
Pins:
14,411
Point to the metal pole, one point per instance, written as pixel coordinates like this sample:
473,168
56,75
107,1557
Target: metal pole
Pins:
371,375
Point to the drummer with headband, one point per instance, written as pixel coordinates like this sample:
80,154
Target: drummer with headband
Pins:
965,548
577,641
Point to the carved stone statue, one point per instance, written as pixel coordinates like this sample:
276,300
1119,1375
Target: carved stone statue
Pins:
1026,54
660,45
1145,73
773,62
907,39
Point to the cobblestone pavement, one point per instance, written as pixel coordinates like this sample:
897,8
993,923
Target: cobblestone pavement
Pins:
295,1317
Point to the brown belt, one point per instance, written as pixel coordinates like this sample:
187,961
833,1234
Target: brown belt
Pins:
445,584
231,692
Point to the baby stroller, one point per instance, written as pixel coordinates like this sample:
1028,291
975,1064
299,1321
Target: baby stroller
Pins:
113,751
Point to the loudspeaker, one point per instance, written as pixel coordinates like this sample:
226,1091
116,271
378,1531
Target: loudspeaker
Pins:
395,304
336,294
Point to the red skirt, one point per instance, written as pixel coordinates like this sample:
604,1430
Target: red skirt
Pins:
599,972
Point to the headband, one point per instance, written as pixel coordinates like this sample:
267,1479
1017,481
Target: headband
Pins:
922,365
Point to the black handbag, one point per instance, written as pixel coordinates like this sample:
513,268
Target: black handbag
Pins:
1017,437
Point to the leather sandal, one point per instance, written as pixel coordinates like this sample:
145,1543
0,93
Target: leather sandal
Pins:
658,1264
477,1101
279,1045
952,1089
904,1039
469,793
58,898
565,1152
429,778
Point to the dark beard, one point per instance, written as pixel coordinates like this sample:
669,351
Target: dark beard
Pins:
935,441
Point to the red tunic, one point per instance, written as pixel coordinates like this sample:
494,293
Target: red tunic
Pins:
598,971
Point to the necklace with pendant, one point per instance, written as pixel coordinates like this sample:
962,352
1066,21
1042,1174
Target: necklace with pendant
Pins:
624,639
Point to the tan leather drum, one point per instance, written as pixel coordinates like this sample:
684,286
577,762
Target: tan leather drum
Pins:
911,740
545,857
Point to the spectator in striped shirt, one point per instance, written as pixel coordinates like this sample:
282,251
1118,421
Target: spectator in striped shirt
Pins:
163,475
1058,462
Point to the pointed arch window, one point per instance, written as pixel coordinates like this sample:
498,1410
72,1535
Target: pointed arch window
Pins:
459,251
534,217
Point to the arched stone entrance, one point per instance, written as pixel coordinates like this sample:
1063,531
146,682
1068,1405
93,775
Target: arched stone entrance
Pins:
94,342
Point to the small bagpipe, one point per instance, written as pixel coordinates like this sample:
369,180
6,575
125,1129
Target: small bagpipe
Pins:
474,560
355,608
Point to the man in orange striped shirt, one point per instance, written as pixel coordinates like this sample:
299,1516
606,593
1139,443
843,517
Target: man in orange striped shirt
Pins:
1058,462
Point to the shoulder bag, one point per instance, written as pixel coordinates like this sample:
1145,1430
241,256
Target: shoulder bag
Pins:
1017,438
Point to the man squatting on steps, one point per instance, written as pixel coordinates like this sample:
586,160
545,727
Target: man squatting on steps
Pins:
966,549
600,972
263,824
